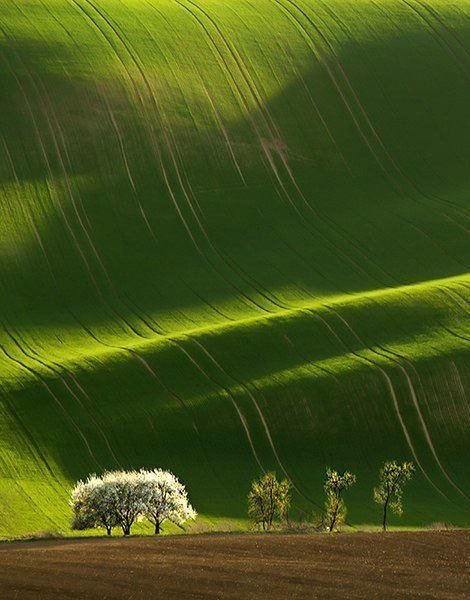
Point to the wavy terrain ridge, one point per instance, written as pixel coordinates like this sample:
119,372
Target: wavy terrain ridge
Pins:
234,237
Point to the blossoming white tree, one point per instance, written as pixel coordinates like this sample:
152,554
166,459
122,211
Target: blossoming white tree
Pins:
128,493
122,497
165,499
93,503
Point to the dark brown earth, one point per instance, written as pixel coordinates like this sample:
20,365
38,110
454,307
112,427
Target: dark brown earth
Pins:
359,565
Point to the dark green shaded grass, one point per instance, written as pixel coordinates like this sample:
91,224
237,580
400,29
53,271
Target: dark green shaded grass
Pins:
233,238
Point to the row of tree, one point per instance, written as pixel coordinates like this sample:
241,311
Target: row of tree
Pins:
119,498
269,499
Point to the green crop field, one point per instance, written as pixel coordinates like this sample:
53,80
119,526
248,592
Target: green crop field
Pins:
233,238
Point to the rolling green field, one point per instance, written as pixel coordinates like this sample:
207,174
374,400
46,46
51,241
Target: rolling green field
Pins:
233,238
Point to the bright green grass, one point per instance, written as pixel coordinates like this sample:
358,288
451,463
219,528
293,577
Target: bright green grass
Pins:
234,237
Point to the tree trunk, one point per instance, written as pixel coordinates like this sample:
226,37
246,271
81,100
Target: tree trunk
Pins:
108,530
384,520
157,527
333,518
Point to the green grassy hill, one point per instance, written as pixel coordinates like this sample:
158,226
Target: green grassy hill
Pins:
234,237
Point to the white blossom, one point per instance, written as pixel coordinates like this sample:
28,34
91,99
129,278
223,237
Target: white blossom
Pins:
166,499
94,504
127,494
122,497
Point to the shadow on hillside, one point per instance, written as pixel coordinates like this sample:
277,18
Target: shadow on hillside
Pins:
322,209
119,215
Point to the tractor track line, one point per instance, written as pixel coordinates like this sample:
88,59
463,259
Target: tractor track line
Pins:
398,358
170,148
392,392
260,414
437,34
56,400
56,369
318,52
460,210
273,135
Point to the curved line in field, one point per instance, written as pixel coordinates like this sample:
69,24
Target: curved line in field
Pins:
369,125
227,391
56,370
460,385
437,200
393,395
412,393
127,167
170,145
225,134
260,414
68,417
437,34
268,145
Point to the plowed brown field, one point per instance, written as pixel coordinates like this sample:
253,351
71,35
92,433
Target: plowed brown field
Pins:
360,565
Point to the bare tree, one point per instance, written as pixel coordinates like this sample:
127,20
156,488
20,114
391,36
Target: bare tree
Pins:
389,490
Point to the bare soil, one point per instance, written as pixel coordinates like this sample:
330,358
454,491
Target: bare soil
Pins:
358,565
